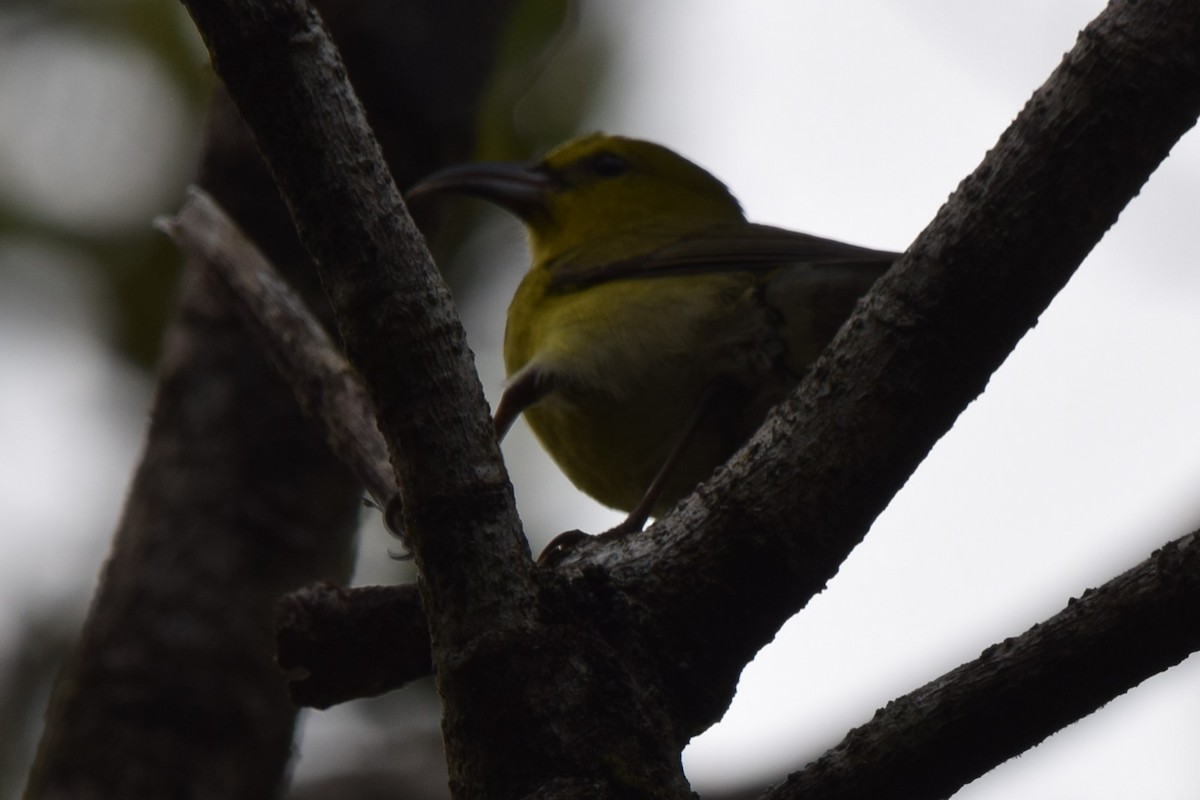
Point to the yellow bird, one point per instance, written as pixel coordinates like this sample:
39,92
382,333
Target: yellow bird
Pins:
656,326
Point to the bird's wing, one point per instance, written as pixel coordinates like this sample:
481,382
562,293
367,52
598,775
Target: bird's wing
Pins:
719,247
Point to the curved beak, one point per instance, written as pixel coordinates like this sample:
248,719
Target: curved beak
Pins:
523,189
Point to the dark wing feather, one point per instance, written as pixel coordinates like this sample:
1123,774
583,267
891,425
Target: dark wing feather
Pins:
725,246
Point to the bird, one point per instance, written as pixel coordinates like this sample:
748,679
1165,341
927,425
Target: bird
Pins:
656,326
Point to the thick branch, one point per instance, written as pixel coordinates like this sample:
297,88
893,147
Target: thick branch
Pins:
932,742
394,312
924,745
943,735
364,639
507,655
173,690
749,549
339,644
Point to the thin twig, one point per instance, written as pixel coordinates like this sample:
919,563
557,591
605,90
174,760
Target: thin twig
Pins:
326,386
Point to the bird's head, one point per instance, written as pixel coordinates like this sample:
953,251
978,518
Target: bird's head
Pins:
592,187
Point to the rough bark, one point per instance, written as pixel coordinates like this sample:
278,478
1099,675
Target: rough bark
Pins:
719,576
298,346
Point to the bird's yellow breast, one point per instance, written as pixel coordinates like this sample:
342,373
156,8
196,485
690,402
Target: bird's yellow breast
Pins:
628,362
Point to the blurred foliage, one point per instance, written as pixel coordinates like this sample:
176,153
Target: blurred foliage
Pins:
139,266
523,110
548,71
161,28
540,92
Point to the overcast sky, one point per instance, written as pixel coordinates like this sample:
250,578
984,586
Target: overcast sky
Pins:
853,120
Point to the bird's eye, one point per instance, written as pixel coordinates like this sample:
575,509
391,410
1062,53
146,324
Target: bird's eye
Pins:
609,165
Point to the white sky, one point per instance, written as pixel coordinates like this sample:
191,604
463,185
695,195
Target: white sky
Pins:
853,120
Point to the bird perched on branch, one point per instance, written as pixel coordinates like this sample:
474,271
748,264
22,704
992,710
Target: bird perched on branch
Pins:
656,326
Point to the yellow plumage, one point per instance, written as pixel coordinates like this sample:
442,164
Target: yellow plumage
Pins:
656,326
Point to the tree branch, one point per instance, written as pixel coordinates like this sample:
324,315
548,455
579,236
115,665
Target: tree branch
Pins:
925,744
234,503
323,382
340,644
937,739
749,548
394,312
